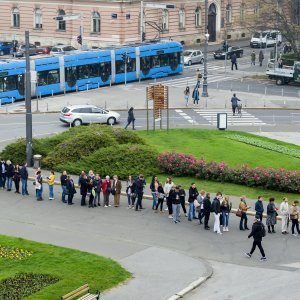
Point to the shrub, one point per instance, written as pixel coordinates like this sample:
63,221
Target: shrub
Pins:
121,160
273,179
23,285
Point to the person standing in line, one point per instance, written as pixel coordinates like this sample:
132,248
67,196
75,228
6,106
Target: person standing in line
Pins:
83,184
226,206
98,187
116,188
3,174
271,215
206,208
51,180
70,188
193,194
39,185
258,232
140,185
294,213
176,203
9,175
284,211
243,207
261,58
130,191
201,211
24,179
259,207
106,190
63,183
253,57
233,61
167,189
153,187
182,199
17,178
216,209
130,118
234,103
160,198
91,191
187,95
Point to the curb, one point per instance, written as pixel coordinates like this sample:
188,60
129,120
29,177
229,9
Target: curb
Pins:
193,285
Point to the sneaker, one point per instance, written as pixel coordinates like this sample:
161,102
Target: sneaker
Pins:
178,221
166,208
263,258
186,214
220,232
248,255
170,217
295,234
175,222
109,205
105,206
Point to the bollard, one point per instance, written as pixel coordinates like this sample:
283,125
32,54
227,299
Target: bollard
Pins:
52,93
246,103
105,104
265,90
110,83
264,102
6,109
64,91
206,102
217,85
282,92
98,85
248,88
47,106
231,87
87,87
225,104
139,79
40,96
70,124
12,100
37,103
76,89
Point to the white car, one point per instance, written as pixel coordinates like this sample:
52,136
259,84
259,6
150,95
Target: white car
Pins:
192,57
77,115
62,49
267,38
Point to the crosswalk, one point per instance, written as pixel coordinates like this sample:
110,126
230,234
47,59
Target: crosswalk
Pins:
247,119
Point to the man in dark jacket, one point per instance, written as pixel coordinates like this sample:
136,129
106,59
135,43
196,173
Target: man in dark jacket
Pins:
139,190
193,194
2,173
216,210
206,210
259,207
176,203
233,61
24,179
130,118
234,103
83,183
258,232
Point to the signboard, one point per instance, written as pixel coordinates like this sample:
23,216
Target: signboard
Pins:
222,121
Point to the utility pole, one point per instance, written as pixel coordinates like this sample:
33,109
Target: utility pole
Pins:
204,92
28,103
142,21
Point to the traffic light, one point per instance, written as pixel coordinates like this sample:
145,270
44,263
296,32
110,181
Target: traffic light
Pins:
143,36
79,40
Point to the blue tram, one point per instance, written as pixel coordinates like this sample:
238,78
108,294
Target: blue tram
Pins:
85,70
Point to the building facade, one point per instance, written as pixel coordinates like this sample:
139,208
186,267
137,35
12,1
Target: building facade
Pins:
107,23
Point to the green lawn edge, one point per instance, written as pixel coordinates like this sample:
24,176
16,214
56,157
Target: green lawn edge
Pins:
74,268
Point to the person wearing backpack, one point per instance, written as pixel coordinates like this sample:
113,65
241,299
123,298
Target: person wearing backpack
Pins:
258,232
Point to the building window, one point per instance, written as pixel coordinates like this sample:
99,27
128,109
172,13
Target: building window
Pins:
165,20
38,19
96,22
198,17
243,12
16,18
61,25
181,19
228,13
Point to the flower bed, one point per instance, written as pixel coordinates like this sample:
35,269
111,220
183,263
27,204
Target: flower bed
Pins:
23,285
265,145
13,253
187,165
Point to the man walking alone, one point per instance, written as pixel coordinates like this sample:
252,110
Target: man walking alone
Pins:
130,118
234,103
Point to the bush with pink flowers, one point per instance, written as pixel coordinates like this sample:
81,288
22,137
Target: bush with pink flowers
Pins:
179,164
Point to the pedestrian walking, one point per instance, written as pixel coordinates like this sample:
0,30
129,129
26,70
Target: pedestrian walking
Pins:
253,56
140,185
106,190
17,178
243,207
294,213
187,95
130,191
193,194
130,118
176,203
216,210
182,199
226,206
70,189
24,179
261,58
63,184
154,187
196,96
206,208
160,198
271,215
9,175
51,180
116,190
284,211
259,207
167,189
3,174
234,103
233,61
98,188
39,185
258,232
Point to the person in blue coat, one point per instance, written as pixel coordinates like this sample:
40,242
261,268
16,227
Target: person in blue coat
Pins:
259,207
234,103
130,118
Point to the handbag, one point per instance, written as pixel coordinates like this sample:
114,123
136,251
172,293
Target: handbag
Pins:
239,213
113,191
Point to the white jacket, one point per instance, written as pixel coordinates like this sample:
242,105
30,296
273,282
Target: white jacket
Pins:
284,208
168,187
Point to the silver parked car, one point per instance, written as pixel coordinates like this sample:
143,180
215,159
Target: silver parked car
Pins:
86,114
62,49
192,57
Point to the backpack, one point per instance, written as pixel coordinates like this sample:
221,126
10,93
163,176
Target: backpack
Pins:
263,230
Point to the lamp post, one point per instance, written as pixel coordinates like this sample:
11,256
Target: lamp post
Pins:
204,92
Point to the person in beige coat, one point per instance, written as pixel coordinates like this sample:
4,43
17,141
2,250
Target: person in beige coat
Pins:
294,214
284,211
116,190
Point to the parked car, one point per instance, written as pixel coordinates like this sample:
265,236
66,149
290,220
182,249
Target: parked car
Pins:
5,48
263,39
44,50
221,53
62,49
85,114
192,57
21,50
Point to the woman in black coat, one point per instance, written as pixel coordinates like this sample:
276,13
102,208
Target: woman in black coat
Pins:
70,190
130,118
17,178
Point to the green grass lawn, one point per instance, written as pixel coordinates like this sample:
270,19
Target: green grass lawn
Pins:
212,145
73,268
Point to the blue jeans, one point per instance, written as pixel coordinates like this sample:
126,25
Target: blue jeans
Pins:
192,213
225,216
129,199
2,180
39,193
245,219
24,187
51,193
176,211
63,194
9,183
154,200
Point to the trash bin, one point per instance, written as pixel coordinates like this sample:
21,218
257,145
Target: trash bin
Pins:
37,159
222,121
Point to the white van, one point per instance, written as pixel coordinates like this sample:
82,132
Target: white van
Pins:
265,38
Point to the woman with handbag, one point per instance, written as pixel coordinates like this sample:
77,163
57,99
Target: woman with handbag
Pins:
271,215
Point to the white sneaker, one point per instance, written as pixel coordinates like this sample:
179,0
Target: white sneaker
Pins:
166,208
109,205
170,217
129,207
295,234
219,232
105,206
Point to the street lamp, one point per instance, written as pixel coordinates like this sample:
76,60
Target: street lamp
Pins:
204,92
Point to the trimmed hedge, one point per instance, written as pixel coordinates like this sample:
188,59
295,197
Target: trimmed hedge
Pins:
187,165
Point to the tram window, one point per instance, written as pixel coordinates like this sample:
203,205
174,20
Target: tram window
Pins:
155,61
145,64
131,66
120,67
48,77
174,60
71,76
83,72
164,60
94,70
21,85
105,71
8,83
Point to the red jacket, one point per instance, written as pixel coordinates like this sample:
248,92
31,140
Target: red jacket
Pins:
105,185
